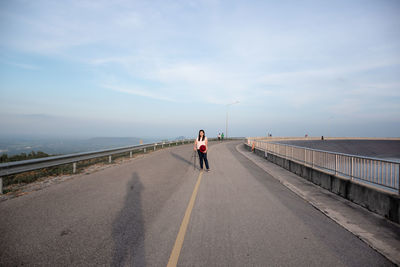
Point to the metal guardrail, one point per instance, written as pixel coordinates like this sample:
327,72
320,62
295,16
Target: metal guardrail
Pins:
16,167
380,173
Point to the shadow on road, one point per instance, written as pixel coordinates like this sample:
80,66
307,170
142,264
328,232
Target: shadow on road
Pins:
128,228
188,161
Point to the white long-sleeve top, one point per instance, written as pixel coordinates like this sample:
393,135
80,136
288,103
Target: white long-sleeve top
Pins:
201,142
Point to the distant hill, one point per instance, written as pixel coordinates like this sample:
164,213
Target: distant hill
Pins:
54,146
113,141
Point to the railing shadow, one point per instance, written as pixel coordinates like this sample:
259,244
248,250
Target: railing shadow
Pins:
128,228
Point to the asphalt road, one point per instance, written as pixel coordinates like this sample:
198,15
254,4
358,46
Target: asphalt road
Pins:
130,215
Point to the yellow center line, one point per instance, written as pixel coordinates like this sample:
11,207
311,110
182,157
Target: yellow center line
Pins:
173,259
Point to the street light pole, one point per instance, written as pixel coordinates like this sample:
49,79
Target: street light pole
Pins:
226,126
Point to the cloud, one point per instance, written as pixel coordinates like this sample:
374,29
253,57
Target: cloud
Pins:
383,89
138,92
56,27
272,57
23,65
108,60
219,83
340,84
326,72
182,81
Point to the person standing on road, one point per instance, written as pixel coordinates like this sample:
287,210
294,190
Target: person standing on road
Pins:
201,145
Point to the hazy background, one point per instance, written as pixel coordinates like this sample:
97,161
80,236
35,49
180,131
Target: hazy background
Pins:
161,69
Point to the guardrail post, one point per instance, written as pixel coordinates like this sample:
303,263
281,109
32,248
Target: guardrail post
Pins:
162,145
1,185
398,180
130,154
74,167
312,156
336,156
144,150
109,159
352,168
155,147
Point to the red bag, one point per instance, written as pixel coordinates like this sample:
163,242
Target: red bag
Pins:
202,148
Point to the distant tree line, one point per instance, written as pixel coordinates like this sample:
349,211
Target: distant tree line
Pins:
23,156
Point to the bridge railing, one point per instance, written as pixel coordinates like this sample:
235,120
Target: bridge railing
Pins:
379,173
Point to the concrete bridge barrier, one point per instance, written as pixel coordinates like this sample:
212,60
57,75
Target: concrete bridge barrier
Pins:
378,201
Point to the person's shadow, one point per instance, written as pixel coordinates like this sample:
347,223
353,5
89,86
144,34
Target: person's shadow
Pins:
128,228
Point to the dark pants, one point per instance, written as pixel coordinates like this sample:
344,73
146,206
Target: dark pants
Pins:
203,156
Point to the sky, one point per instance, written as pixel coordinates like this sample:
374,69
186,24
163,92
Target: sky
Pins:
169,68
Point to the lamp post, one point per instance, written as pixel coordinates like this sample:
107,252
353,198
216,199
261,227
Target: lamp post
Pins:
227,107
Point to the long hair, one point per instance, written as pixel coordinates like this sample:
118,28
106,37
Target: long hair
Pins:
204,135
